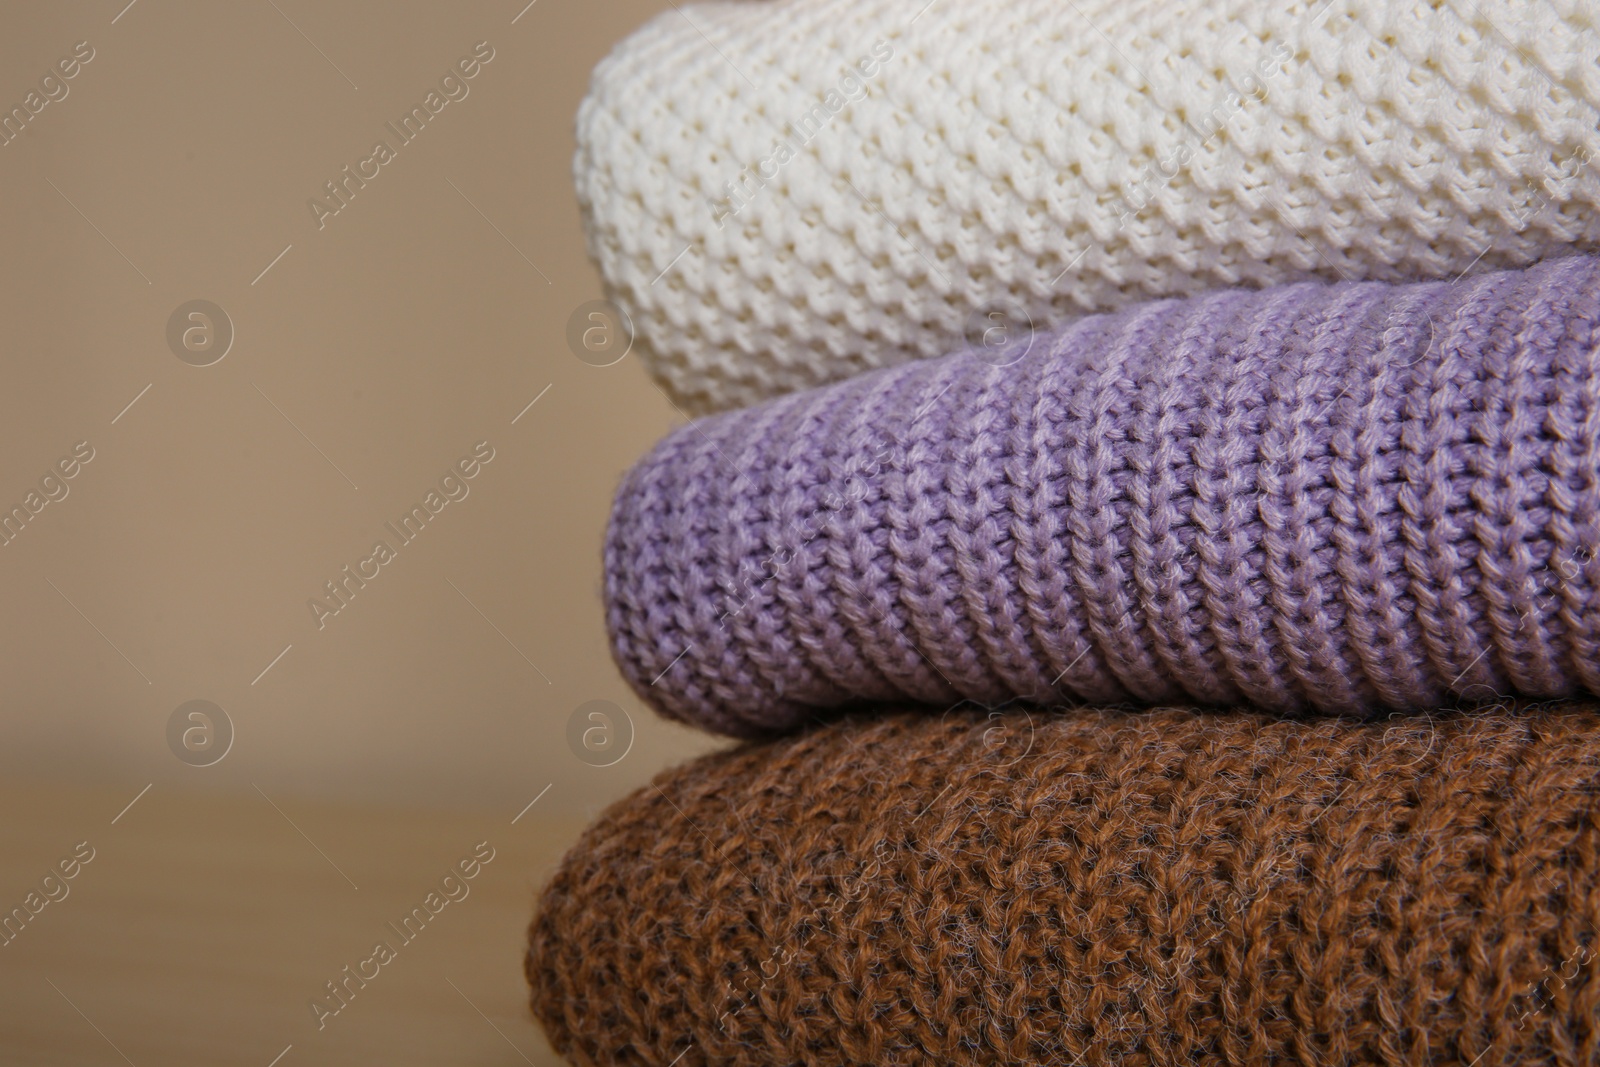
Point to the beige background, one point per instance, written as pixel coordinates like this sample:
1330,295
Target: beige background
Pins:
394,338
412,325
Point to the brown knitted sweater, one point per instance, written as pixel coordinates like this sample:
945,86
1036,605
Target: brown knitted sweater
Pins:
1168,887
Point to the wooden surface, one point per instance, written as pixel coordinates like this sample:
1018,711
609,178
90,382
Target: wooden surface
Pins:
205,924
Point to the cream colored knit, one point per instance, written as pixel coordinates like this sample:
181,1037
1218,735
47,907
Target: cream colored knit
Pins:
896,166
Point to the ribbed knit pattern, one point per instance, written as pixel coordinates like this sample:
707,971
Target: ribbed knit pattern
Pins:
1065,157
1342,498
1098,889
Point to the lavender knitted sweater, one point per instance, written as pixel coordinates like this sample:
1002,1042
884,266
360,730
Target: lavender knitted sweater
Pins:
1340,498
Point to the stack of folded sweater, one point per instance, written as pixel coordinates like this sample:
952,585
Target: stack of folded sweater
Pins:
1145,525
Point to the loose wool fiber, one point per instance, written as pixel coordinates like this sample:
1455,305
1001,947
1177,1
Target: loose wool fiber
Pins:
1342,498
1060,158
1099,888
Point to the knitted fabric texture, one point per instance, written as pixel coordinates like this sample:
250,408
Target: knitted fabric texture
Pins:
1101,888
785,194
1342,498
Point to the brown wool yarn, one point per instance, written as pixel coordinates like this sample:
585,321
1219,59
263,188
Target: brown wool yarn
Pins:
1099,887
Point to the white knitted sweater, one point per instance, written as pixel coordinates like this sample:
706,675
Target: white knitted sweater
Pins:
786,193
